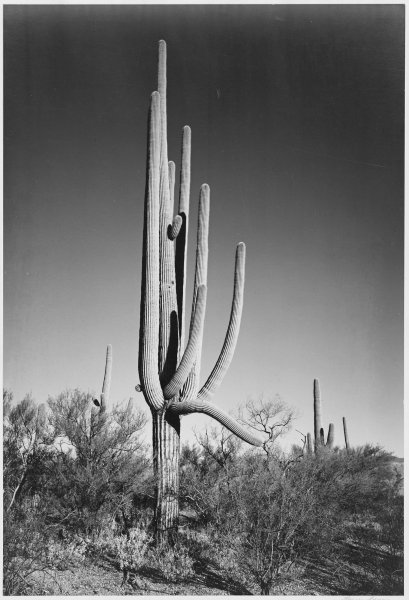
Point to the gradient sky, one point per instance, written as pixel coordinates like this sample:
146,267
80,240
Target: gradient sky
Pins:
297,126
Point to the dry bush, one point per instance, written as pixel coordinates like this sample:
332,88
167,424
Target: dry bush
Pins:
25,547
173,562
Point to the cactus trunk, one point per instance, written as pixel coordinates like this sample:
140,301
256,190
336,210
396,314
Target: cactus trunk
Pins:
169,370
166,452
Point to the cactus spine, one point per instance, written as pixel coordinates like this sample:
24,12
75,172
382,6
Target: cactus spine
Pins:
169,372
344,422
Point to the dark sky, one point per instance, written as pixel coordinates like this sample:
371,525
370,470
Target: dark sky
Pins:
297,126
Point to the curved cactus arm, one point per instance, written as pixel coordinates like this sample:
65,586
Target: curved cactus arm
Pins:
189,356
175,228
202,250
189,407
171,177
330,436
181,242
149,322
216,376
106,386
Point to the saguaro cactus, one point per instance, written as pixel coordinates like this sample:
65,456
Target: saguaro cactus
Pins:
168,371
330,436
309,444
106,386
318,434
344,422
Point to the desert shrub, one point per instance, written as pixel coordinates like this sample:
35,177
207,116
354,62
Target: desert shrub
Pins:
379,534
174,562
207,476
199,543
273,513
26,448
25,544
227,548
136,550
130,551
102,543
64,554
100,463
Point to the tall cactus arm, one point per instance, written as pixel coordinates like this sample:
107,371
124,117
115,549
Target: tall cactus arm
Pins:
216,376
197,406
191,387
202,248
106,386
171,177
164,167
168,320
317,413
181,243
189,356
149,323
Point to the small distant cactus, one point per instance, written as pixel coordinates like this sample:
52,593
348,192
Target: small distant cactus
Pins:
330,436
344,422
318,431
106,386
309,444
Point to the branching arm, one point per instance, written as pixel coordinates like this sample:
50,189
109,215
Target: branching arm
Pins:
185,366
189,407
202,249
230,341
171,176
181,242
149,328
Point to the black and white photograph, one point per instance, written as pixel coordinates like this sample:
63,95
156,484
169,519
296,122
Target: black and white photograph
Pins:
203,299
